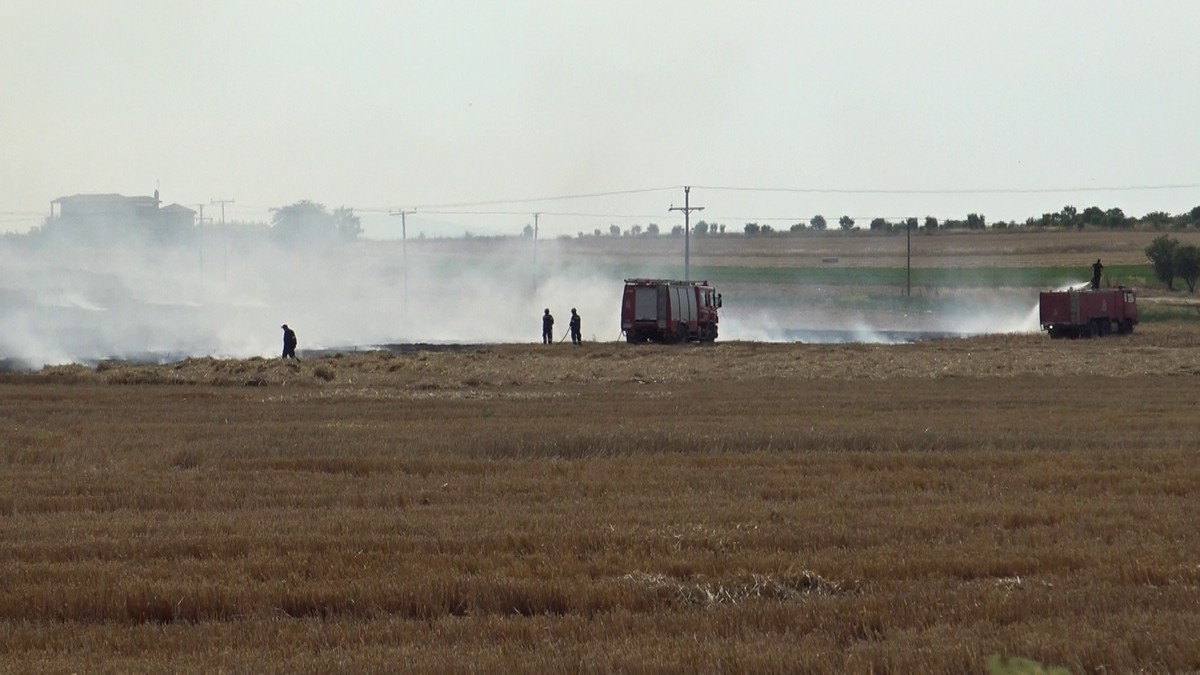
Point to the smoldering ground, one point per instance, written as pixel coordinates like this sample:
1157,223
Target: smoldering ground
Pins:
225,292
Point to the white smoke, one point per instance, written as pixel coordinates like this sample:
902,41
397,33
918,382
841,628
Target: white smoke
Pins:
70,303
821,319
226,295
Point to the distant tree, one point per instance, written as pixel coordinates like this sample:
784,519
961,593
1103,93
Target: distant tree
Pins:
1068,215
1195,216
911,223
652,229
1157,219
722,229
614,231
1092,216
976,221
879,225
1115,218
636,230
818,222
1161,253
304,220
846,223
752,228
798,227
527,232
1187,265
701,227
766,229
677,231
596,232
348,225
931,223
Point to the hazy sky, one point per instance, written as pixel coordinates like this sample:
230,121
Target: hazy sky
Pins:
384,105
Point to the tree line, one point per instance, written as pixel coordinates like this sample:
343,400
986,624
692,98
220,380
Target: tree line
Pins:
1172,260
1092,217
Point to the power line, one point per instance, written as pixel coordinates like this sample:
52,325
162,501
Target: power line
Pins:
451,208
972,191
564,214
531,200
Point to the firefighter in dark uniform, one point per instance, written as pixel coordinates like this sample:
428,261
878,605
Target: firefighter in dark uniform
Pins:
547,328
576,333
1097,270
289,342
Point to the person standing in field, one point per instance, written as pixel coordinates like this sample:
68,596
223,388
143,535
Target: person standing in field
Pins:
289,342
1097,270
547,328
576,333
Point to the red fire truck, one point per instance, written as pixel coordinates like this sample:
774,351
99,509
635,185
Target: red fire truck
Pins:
1088,312
663,310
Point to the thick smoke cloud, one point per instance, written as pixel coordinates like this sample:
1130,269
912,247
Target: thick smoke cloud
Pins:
225,293
965,313
227,296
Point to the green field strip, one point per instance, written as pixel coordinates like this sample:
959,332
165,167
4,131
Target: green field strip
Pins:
988,277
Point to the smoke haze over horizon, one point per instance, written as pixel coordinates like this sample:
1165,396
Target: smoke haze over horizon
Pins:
226,296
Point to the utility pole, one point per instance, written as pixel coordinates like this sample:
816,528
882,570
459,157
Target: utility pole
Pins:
687,230
222,202
908,222
535,238
200,246
404,246
225,239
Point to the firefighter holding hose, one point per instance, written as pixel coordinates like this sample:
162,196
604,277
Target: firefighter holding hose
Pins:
1097,270
576,330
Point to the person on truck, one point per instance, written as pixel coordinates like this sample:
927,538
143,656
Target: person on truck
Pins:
1097,270
547,327
576,332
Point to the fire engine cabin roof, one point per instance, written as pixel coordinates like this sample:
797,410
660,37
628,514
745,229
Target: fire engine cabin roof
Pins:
655,282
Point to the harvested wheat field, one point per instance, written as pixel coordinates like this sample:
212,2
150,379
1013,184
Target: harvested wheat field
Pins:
738,507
